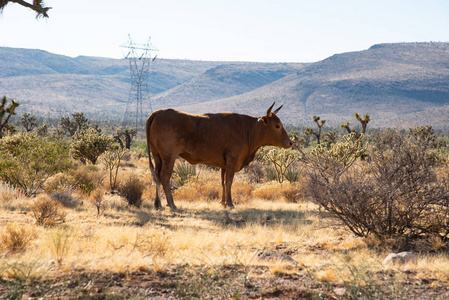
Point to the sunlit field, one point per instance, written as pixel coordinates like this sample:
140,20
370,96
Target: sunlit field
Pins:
202,250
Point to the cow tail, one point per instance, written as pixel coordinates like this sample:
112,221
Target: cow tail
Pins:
147,130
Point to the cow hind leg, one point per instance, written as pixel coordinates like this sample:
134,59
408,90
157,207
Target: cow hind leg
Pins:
165,175
157,181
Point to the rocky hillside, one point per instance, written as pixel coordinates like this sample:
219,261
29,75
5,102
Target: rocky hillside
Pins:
394,83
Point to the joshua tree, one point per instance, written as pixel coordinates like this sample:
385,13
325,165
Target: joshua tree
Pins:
28,122
37,5
127,135
364,122
332,136
79,123
7,111
310,131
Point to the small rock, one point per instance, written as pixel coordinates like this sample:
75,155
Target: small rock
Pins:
66,200
271,255
401,258
339,291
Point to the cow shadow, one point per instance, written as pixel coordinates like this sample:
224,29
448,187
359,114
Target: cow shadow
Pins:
224,218
255,217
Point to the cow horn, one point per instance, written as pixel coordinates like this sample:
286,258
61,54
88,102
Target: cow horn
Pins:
269,110
278,109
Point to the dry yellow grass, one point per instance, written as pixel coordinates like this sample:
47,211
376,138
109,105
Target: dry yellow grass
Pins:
201,233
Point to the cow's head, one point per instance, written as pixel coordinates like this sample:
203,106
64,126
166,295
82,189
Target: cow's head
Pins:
274,132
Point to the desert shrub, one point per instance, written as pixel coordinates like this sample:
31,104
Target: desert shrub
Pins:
205,187
28,160
271,173
111,160
281,160
395,193
88,178
182,172
97,199
293,173
47,211
268,191
131,188
60,242
139,153
61,182
292,193
16,238
255,171
88,144
7,193
241,190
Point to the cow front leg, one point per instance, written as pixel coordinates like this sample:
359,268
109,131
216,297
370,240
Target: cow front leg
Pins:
229,178
166,172
223,194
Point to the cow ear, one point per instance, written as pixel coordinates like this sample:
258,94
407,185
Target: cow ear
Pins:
265,120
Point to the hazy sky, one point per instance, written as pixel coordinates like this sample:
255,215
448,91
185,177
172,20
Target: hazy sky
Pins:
265,31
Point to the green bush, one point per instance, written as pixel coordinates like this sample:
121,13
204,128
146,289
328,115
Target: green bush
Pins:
89,144
28,160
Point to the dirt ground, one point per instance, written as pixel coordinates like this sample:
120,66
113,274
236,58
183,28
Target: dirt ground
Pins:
227,282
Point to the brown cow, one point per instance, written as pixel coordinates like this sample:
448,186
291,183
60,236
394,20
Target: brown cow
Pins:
225,140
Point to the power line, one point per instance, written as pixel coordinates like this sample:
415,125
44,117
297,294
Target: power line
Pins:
139,102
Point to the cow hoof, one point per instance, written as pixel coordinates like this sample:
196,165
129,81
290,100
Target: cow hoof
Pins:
158,207
230,206
173,208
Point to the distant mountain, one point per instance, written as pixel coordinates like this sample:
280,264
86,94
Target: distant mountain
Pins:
222,82
394,83
51,84
406,83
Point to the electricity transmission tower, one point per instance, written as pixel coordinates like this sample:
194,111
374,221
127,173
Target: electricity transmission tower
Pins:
140,58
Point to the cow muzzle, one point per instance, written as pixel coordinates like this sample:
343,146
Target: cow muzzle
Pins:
288,144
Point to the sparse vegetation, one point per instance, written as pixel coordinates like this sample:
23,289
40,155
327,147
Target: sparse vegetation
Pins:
117,244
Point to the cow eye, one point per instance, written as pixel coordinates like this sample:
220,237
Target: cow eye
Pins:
278,126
